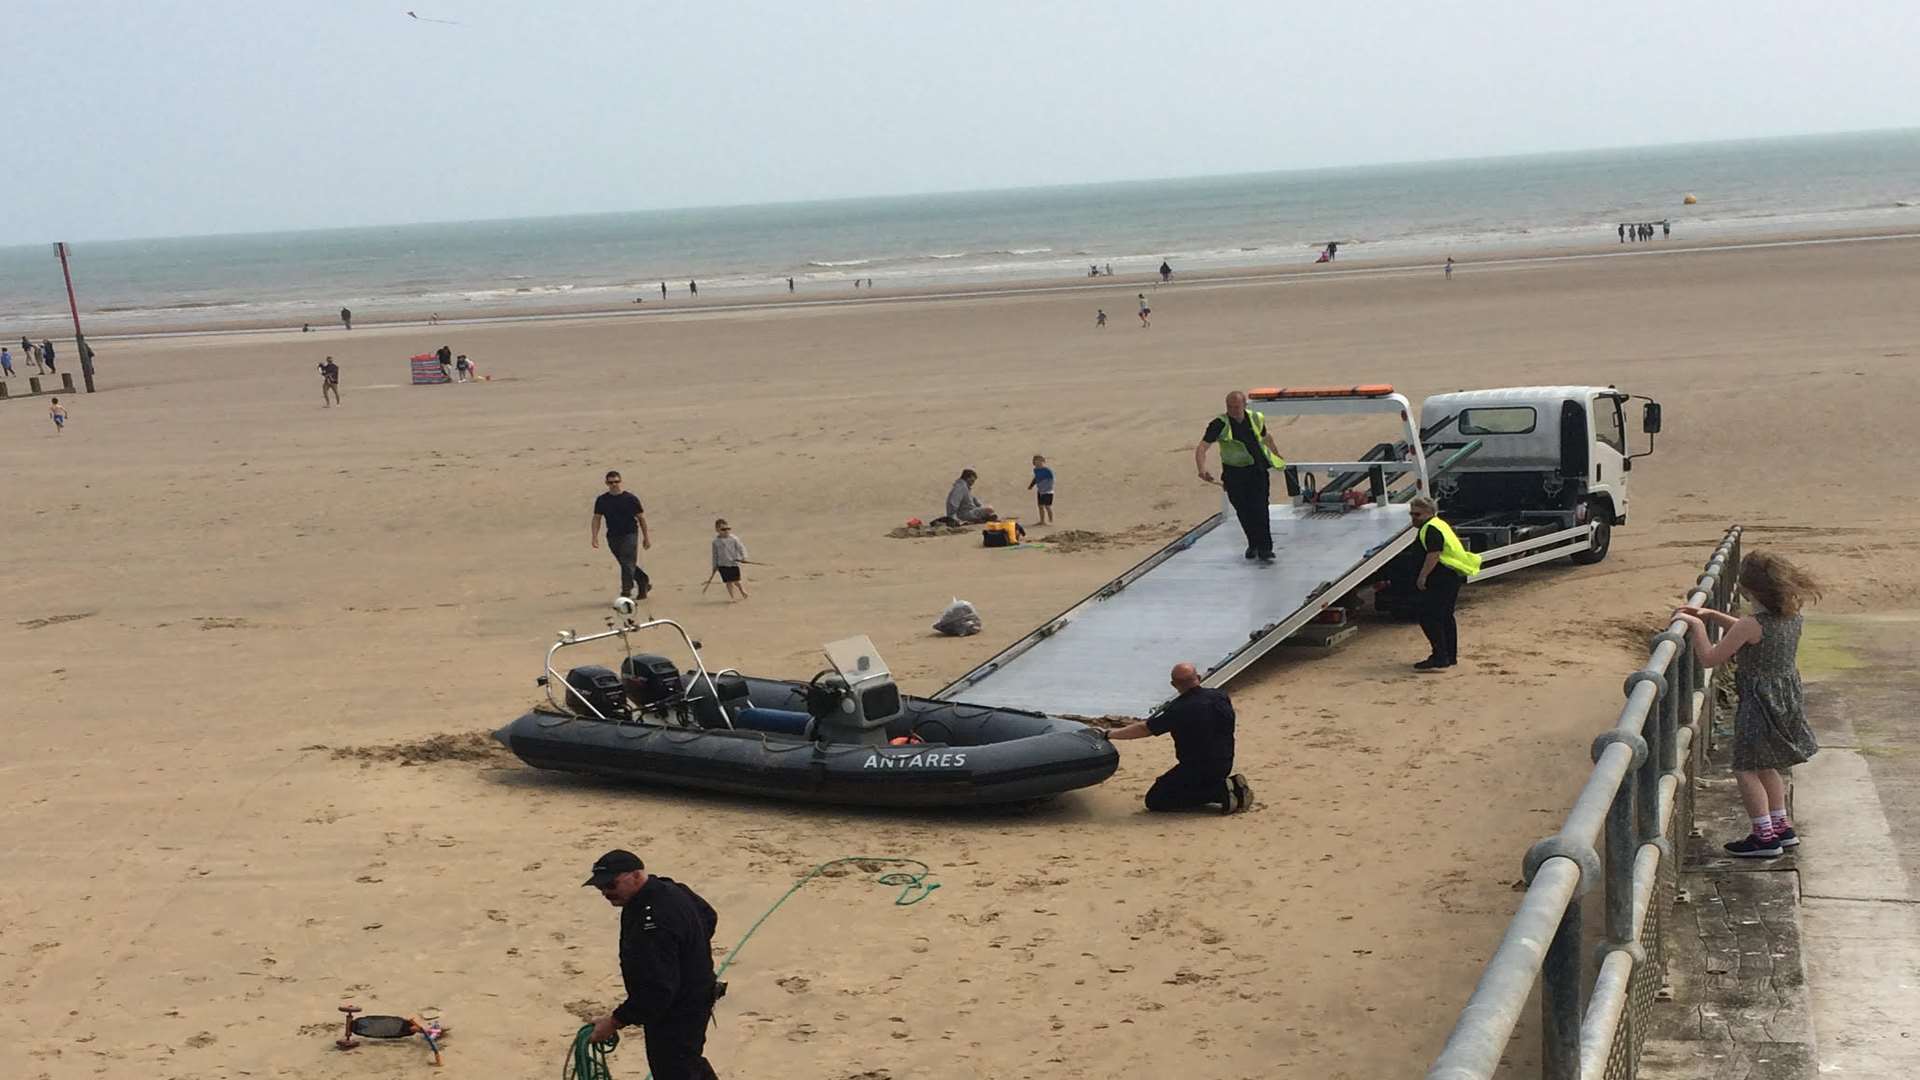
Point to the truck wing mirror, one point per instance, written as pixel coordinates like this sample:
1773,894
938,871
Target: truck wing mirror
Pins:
1650,418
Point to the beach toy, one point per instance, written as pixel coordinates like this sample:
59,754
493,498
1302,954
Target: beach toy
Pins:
389,1027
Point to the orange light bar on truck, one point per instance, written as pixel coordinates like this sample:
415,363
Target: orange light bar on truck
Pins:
1272,393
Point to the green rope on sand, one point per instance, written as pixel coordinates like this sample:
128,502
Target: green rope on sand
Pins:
589,1059
913,889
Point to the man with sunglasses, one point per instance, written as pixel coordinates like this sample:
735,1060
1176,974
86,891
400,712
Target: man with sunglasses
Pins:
666,964
627,533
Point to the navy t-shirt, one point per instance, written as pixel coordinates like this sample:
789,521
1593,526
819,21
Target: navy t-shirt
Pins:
1201,721
622,512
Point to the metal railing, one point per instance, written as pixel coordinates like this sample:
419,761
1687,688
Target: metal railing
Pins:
1624,830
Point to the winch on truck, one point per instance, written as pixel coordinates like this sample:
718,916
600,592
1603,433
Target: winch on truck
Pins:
1525,475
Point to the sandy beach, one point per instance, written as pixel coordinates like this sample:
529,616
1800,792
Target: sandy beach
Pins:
230,611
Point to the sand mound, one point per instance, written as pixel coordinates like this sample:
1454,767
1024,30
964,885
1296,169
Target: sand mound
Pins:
915,532
1068,541
467,746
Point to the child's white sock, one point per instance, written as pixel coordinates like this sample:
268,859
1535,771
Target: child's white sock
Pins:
1763,827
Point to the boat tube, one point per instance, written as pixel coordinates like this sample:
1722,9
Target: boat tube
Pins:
848,736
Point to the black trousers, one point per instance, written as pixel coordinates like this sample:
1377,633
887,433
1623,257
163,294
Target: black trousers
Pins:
676,1047
1248,489
626,551
1436,614
1186,788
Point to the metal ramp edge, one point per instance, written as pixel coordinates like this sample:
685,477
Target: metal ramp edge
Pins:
1047,629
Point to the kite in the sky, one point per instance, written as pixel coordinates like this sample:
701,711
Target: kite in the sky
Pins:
423,18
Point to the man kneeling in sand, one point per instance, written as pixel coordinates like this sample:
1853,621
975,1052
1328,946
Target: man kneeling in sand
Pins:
962,507
1201,723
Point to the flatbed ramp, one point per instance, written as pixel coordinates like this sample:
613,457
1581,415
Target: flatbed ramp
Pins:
1198,599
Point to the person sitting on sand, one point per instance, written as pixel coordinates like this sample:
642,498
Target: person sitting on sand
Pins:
962,507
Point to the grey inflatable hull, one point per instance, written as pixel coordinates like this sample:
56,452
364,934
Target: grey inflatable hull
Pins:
970,755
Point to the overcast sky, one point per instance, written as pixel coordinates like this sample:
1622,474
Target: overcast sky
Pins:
161,118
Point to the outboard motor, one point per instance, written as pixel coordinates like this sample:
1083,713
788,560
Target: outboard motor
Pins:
651,682
595,690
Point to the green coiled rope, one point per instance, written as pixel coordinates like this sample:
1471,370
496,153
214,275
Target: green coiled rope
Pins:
589,1059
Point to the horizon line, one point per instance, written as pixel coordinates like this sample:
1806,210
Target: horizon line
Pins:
1011,189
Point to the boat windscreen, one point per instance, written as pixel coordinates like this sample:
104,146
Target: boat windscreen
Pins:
856,660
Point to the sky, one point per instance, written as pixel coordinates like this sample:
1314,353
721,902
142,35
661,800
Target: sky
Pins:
165,119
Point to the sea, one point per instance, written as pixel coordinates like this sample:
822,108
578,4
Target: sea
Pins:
1431,210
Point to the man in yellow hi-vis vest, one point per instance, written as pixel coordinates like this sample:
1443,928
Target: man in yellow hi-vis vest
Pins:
1247,455
1447,566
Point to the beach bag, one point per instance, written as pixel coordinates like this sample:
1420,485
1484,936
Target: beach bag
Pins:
1001,534
959,620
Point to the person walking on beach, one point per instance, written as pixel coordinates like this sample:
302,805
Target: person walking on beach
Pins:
1145,312
6,362
1666,229
1446,566
1042,487
1100,317
329,382
1449,268
346,318
1201,723
1247,453
663,290
1166,272
1623,232
789,284
627,534
728,553
1770,731
693,288
58,414
46,354
666,965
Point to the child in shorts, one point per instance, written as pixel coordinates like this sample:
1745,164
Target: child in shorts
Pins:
728,554
1042,487
58,414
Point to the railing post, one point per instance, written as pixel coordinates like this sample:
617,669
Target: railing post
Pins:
1560,1000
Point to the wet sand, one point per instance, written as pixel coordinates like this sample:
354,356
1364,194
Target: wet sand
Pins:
227,605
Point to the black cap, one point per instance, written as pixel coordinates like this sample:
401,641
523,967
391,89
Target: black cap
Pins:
612,865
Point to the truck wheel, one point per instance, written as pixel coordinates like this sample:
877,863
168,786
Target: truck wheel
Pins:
1601,539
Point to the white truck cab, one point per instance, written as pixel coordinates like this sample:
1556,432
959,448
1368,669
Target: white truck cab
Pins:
1535,457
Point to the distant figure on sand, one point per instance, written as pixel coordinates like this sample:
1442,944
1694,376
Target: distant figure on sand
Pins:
1166,272
346,318
6,362
1623,233
962,507
58,414
1042,487
460,368
46,354
1100,317
728,553
1449,268
693,288
663,290
1201,723
1145,312
329,383
1666,229
789,284
445,355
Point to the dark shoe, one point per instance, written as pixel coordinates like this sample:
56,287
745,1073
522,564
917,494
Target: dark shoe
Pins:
1431,663
1786,838
1252,554
1267,556
1752,847
1242,796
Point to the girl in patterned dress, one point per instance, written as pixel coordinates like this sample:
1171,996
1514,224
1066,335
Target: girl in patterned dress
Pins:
1770,731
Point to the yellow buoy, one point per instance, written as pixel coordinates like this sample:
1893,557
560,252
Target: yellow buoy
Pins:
1689,200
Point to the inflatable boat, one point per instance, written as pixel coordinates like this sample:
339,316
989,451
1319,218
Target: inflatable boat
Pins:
847,736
